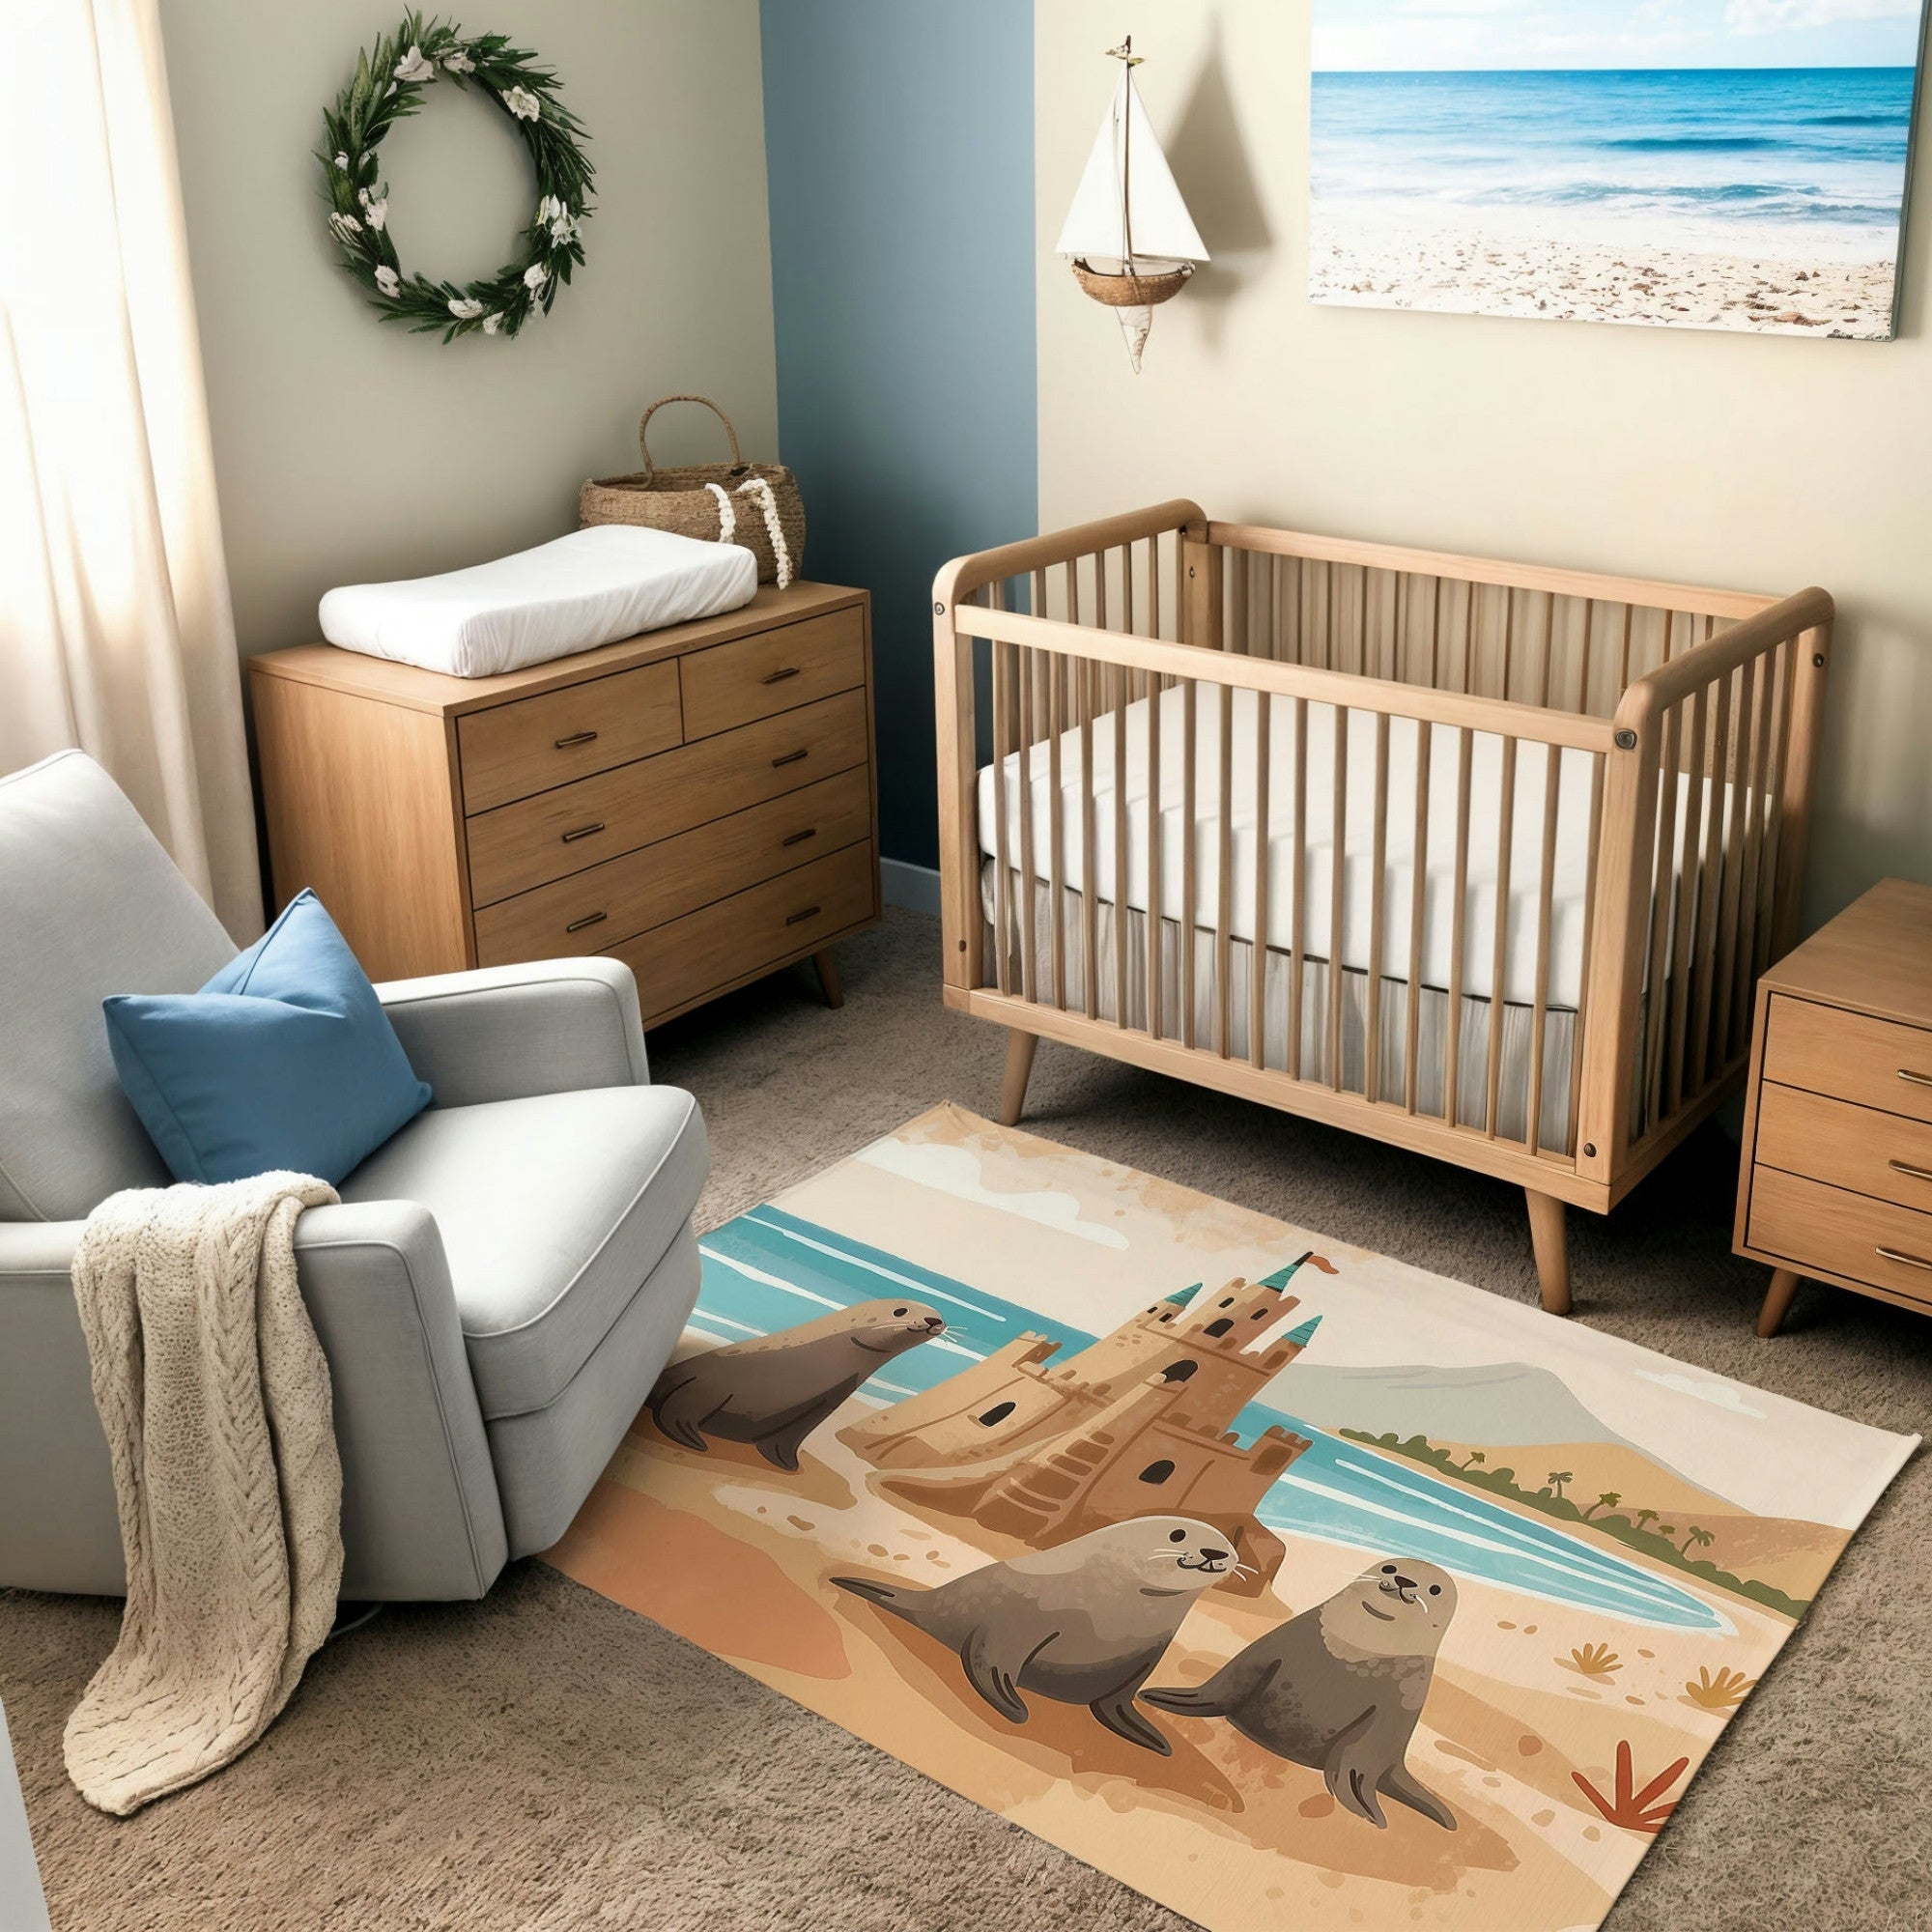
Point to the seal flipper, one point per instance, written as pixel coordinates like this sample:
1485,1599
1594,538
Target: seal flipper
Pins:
1226,1691
780,1448
1116,1710
995,1673
1405,1790
672,1420
1346,1776
887,1596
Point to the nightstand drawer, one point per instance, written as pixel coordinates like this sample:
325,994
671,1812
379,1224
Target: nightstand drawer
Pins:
593,910
538,839
1814,1226
1825,1050
1845,1145
682,962
776,671
514,750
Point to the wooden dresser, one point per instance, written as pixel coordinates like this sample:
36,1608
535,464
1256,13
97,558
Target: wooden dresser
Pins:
1838,1159
698,802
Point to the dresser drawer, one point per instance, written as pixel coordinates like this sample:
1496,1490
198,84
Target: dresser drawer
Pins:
681,963
1825,1050
1811,1226
776,671
590,910
514,750
1846,1146
537,839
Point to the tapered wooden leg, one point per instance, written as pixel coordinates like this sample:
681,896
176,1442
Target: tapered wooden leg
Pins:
1777,1302
827,978
1551,1239
1019,1070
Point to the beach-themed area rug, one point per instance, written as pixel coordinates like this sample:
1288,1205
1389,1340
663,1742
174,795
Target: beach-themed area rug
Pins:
1286,1583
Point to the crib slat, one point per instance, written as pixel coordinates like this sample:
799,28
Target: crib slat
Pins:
1773,794
1705,965
1153,920
1002,874
1418,907
1190,920
1119,696
1624,657
1155,628
1681,951
1026,668
1499,955
1297,860
1550,645
1372,1059
1764,672
1224,874
1598,762
1546,892
1090,915
1239,637
1258,948
1738,778
1656,1006
1056,829
1338,856
1436,640
1508,640
1452,1052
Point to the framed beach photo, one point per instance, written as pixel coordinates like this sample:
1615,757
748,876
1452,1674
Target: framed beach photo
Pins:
1735,164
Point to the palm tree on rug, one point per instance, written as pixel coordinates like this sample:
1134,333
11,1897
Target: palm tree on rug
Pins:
1702,1538
1474,1457
1644,1517
1609,1499
1558,1477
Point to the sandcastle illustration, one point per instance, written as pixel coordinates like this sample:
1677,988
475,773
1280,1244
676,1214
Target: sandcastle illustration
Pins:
1135,1424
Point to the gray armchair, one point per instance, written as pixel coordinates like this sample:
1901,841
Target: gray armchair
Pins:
495,1295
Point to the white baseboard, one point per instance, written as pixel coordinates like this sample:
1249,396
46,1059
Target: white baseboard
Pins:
914,887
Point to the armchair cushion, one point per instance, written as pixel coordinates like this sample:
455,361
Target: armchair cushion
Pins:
284,1060
552,1209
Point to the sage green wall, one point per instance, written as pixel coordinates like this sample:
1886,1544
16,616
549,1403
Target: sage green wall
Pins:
1758,462
347,449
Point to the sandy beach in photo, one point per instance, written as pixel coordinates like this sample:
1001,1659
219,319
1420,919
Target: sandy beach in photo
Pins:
1362,262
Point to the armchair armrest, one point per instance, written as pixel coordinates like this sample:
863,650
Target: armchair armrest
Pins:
554,1026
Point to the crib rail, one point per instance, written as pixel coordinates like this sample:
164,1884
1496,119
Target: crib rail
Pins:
1463,731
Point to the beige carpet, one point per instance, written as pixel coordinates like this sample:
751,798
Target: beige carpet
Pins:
545,1759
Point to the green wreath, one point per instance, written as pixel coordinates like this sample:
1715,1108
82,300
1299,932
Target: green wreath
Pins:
389,85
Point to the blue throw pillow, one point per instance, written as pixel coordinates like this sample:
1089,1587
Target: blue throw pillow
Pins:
284,1060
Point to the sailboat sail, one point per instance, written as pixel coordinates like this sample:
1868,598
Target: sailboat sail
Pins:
1127,203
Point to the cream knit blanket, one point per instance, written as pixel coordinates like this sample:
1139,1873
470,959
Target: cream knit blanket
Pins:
216,1399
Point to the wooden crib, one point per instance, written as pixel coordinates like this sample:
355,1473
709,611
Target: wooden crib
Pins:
1481,859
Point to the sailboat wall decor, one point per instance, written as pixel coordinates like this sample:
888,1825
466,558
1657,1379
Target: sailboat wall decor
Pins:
1132,241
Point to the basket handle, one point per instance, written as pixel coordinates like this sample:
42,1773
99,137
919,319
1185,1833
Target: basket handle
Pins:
645,423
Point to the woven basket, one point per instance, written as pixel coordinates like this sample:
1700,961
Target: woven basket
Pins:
753,505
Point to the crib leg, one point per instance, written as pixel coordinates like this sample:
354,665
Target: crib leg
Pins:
1019,1070
1551,1239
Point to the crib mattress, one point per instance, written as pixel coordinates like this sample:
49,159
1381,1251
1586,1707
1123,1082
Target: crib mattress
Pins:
1137,789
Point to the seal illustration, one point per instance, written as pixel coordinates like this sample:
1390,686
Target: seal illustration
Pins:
1340,1687
1082,1623
774,1390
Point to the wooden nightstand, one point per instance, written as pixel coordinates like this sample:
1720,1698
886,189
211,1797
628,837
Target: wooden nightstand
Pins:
1836,1183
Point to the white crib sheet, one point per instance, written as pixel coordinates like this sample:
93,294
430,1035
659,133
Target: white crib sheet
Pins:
1569,885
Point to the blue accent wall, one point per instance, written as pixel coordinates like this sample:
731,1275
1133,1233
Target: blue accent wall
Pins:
898,148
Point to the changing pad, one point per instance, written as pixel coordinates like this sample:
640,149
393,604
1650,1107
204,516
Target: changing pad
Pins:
589,588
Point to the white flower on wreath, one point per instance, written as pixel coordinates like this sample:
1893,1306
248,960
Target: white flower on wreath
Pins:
414,66
535,275
389,281
522,103
553,214
346,226
342,164
375,209
491,323
458,62
466,308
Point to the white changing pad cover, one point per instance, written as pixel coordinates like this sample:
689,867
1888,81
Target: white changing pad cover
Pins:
589,588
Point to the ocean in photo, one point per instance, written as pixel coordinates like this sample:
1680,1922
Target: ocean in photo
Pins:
1795,163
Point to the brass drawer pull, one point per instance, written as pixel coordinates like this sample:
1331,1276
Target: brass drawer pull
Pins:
575,738
780,677
812,912
1917,1079
1908,1261
803,751
812,832
591,919
582,831
1906,1167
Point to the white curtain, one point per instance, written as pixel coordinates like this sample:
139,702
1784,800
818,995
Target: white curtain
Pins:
116,632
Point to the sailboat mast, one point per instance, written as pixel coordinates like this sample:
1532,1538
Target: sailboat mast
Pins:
1124,53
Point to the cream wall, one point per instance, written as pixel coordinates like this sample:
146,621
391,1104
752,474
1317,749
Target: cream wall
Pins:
1757,462
347,449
